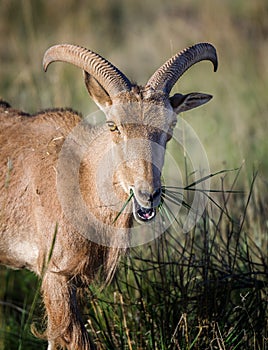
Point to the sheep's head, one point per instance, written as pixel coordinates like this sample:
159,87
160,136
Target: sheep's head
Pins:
140,120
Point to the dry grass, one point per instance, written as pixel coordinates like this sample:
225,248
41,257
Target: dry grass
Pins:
207,290
203,290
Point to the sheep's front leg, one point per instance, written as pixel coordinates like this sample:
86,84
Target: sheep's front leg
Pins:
64,326
51,345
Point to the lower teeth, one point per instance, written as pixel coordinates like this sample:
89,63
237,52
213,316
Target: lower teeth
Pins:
146,214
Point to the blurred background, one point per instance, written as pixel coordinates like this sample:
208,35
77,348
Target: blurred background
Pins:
138,36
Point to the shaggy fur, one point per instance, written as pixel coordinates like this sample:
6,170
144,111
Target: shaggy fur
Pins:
64,182
29,151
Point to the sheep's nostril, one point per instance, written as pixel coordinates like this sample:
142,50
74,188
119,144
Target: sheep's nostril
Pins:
157,193
156,197
152,198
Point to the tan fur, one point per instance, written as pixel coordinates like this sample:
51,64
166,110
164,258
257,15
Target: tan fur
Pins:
63,182
30,211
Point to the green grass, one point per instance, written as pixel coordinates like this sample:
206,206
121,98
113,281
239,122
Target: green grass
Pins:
203,290
206,289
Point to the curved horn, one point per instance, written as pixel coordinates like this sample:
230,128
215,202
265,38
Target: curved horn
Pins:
102,70
168,74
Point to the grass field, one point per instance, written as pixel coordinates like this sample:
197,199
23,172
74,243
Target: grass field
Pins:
207,289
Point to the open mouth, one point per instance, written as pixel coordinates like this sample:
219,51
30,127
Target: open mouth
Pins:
141,213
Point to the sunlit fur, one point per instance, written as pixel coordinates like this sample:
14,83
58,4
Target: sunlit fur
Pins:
35,231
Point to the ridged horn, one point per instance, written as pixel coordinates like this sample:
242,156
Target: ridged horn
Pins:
168,74
102,70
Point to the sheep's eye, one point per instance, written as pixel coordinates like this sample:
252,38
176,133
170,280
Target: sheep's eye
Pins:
112,126
173,124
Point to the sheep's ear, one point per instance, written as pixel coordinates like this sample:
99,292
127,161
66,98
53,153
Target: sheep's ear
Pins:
181,103
99,95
